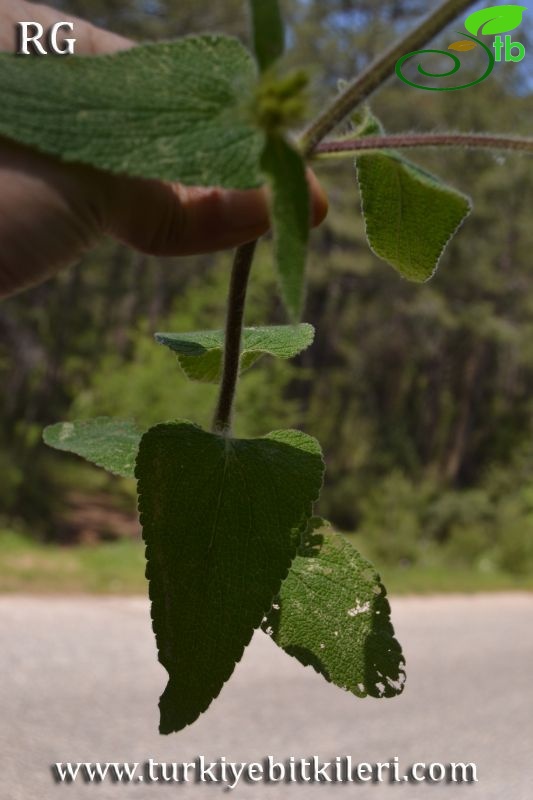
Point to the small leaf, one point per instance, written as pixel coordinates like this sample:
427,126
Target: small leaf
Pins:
364,123
463,46
221,520
268,32
200,353
333,614
496,19
291,212
108,443
172,110
410,215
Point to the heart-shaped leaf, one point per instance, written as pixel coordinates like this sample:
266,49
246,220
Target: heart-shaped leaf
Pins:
333,614
496,19
108,443
200,353
221,520
174,110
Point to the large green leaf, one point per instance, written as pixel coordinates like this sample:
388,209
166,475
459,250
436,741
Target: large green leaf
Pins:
410,216
172,111
268,31
291,211
496,19
108,443
333,614
200,353
221,520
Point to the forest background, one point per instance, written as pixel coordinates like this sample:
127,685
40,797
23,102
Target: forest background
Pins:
421,396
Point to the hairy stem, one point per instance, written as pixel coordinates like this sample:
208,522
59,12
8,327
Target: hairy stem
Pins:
375,75
346,147
378,72
240,275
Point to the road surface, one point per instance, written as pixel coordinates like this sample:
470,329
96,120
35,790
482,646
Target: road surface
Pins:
80,682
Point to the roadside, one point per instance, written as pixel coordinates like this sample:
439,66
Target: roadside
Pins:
81,683
117,568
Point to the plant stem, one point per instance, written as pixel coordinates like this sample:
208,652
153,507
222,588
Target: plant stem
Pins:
240,275
377,73
346,147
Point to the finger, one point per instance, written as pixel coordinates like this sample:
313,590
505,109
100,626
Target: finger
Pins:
319,199
171,219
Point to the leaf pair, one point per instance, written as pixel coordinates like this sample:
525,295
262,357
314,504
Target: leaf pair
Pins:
223,520
200,353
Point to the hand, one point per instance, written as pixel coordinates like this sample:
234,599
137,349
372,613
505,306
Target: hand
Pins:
50,212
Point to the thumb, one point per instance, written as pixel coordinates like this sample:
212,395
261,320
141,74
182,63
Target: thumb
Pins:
171,219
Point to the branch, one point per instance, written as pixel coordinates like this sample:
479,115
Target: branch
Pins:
375,75
473,141
240,274
378,72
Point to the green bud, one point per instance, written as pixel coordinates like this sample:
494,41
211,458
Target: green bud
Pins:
280,103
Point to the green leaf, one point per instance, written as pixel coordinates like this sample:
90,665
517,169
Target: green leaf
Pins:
410,216
221,520
172,111
333,614
268,32
108,443
200,353
496,19
291,211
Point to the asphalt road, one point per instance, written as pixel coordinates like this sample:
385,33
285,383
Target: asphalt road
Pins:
80,682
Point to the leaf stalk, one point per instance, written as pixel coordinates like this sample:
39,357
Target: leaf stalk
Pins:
474,141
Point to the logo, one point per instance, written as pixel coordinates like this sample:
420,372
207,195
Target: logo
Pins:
30,36
493,21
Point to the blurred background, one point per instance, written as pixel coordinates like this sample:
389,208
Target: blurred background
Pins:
421,396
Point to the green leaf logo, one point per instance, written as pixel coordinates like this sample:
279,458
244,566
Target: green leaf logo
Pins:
494,20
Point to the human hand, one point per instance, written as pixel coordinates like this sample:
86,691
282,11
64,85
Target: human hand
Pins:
51,212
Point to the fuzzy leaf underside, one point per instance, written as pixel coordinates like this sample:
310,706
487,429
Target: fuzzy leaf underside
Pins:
170,111
109,443
332,613
410,216
291,211
268,32
221,520
200,353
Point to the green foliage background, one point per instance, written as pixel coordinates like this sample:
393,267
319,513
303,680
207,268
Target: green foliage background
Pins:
420,395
